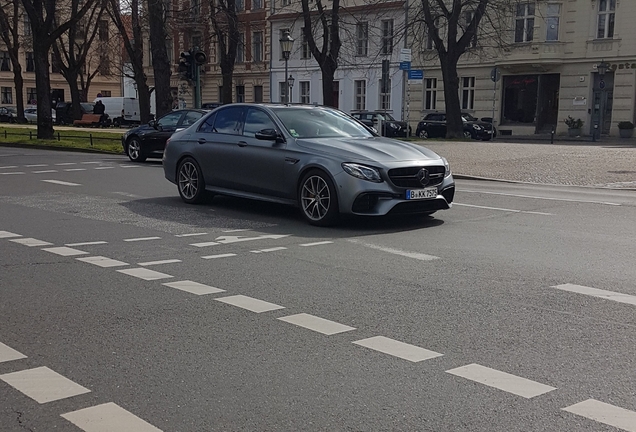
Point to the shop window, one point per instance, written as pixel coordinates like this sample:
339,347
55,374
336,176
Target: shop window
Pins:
606,18
520,99
524,22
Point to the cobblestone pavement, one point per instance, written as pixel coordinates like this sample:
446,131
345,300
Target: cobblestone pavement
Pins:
606,164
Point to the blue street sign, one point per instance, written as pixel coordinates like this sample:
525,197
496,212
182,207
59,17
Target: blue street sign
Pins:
405,65
416,74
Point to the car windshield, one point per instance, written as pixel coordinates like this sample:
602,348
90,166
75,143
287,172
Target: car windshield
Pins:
468,117
386,116
320,123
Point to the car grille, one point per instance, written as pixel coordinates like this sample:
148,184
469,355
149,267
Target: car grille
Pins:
408,177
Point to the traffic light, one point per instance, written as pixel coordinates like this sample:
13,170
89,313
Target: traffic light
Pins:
199,56
186,65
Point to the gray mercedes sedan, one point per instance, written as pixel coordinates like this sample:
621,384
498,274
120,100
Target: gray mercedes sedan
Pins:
316,158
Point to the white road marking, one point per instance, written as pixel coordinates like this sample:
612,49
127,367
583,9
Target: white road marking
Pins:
127,194
227,255
504,209
316,324
8,167
66,164
595,292
235,230
501,380
129,166
44,171
605,413
316,243
249,303
193,287
141,239
237,239
151,263
9,354
31,242
199,245
7,234
269,250
191,234
145,274
63,183
65,251
43,385
75,169
108,417
543,198
86,243
398,349
36,165
106,167
102,261
93,162
415,255
12,173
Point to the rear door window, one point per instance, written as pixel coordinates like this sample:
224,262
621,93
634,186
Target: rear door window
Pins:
228,120
191,118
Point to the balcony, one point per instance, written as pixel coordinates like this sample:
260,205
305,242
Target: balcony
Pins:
541,56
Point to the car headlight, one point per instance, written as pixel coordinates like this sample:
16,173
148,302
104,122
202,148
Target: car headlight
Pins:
362,172
447,170
393,126
477,127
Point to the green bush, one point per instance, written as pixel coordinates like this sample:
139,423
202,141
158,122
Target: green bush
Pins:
626,125
573,123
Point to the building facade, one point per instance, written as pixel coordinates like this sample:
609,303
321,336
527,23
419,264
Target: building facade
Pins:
548,70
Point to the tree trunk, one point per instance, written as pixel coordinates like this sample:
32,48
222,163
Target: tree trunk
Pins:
19,87
43,86
143,95
328,73
76,98
160,62
454,123
227,72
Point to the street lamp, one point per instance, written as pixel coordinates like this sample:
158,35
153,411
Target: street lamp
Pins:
602,67
286,45
290,84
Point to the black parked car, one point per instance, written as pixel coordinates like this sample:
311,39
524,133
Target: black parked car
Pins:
393,127
149,140
434,126
8,115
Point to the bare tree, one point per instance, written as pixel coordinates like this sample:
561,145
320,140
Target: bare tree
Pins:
10,34
73,48
326,56
453,27
158,14
131,30
43,15
226,30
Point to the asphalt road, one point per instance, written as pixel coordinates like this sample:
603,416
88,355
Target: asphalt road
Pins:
486,317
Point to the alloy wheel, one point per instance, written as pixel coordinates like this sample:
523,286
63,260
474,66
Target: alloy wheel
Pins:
423,134
188,180
315,198
134,150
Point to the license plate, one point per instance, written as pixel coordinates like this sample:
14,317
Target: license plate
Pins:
416,194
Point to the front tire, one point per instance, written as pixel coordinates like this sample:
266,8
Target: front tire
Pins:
423,134
190,181
468,135
134,151
318,199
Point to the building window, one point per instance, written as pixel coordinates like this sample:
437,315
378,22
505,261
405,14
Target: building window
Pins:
5,61
387,37
27,26
362,38
240,5
468,93
240,93
606,10
282,86
195,8
360,102
7,95
468,18
553,13
520,98
258,94
430,94
305,96
524,22
103,30
240,49
305,52
385,95
257,53
104,65
196,39
285,2
106,93
257,4
30,62
32,96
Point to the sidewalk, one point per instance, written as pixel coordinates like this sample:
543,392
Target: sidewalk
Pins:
610,163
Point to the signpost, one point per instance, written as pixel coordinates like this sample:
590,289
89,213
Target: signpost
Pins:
405,65
495,76
416,74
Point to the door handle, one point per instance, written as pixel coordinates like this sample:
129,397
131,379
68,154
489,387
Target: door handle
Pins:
242,143
202,141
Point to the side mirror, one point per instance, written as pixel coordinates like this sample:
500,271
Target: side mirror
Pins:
268,135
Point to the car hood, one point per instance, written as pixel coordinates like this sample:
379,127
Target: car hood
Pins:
375,149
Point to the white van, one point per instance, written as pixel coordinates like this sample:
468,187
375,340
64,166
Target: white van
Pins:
122,110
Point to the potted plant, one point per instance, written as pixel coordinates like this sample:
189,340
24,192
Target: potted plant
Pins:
626,129
574,126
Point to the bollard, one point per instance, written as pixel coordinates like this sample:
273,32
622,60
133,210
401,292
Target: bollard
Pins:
594,133
30,135
5,133
58,136
91,137
552,137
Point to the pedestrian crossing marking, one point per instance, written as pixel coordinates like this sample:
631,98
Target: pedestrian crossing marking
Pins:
43,384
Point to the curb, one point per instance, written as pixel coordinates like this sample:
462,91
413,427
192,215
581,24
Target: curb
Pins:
478,178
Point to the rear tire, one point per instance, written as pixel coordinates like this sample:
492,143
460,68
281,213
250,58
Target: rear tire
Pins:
134,150
190,182
423,134
318,199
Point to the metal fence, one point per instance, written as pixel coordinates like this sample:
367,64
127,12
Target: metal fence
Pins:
59,137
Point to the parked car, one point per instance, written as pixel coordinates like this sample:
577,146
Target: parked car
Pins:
8,114
31,115
374,119
210,105
317,158
150,139
434,126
